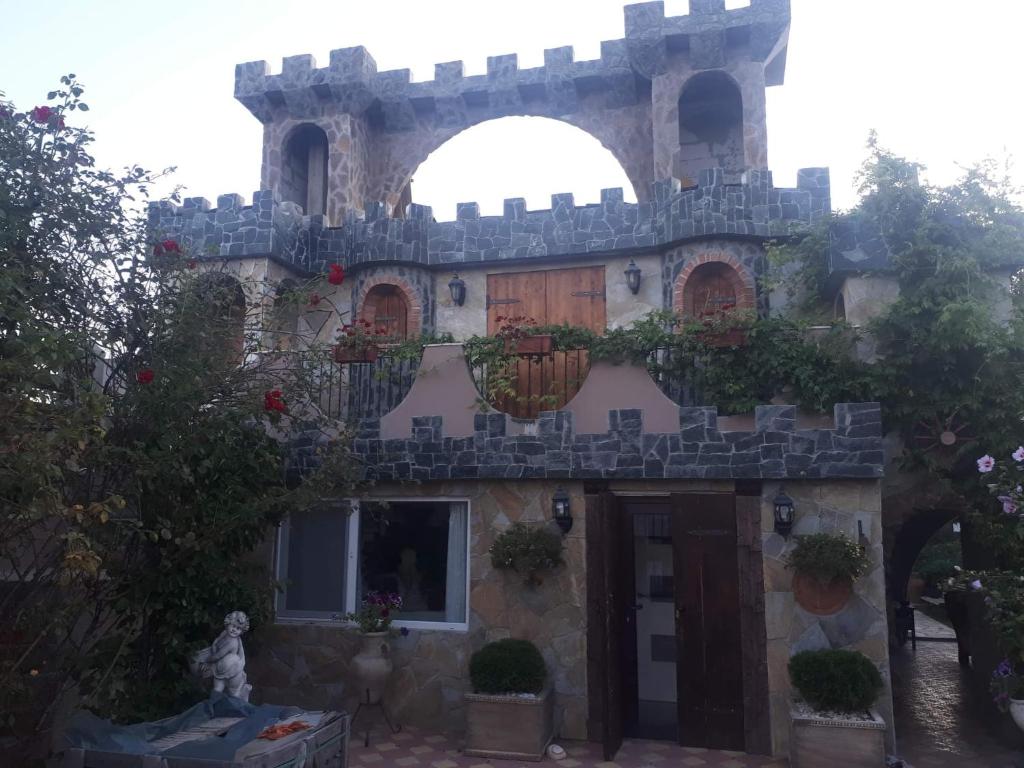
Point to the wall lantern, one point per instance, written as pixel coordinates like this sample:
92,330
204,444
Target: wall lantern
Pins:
633,275
458,288
560,509
784,513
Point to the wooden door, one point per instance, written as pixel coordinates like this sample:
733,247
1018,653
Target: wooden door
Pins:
553,297
385,307
607,596
710,668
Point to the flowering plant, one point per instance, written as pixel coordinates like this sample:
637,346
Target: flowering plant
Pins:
360,334
514,328
377,612
1007,683
1005,480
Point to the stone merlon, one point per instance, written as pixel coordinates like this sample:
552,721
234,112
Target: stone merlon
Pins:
351,80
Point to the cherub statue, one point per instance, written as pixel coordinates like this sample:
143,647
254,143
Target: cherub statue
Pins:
224,661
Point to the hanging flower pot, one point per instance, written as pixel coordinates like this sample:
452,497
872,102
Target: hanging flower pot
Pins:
528,346
366,353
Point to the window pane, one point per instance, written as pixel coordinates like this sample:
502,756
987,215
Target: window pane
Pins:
316,561
404,548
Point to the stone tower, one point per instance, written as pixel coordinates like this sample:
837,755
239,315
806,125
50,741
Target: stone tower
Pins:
676,96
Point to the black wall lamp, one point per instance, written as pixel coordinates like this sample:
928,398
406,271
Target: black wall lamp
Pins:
457,286
633,275
560,509
784,513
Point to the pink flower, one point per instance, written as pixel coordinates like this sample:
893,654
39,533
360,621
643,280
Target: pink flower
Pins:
1018,455
986,464
1009,505
976,584
42,114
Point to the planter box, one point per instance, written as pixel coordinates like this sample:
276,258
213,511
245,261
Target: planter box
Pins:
734,337
541,344
509,727
366,354
821,742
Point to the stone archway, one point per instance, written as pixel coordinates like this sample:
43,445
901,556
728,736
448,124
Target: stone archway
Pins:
908,541
391,302
713,282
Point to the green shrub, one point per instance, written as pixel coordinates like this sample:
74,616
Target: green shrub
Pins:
528,550
508,666
828,556
838,681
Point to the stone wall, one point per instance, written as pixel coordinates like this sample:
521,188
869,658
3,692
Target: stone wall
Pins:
826,507
307,664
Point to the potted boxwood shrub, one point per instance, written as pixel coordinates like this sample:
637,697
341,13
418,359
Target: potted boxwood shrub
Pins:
510,713
835,724
826,566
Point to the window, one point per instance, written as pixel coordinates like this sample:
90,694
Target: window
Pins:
331,556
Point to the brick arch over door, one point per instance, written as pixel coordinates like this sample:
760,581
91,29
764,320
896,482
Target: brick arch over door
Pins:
714,274
385,289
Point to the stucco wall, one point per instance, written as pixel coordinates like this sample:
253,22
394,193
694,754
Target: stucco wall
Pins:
827,507
308,665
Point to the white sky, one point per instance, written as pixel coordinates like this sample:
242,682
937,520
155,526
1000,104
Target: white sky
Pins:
938,79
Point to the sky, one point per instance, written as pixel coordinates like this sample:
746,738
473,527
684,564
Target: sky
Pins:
938,80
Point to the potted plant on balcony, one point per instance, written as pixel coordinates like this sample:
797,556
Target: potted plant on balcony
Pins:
519,336
359,342
510,713
826,565
372,665
834,723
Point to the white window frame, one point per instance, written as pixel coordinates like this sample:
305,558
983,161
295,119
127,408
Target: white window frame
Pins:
352,570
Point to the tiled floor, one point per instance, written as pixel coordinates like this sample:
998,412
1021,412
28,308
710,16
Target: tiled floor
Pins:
936,724
413,749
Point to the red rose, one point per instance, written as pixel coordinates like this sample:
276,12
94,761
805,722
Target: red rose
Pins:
42,114
157,249
381,331
273,400
336,274
171,246
314,299
145,376
191,263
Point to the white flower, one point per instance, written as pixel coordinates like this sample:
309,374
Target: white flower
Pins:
986,463
1018,455
976,584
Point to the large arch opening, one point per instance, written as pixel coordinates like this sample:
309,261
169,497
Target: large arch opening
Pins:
304,169
528,157
710,124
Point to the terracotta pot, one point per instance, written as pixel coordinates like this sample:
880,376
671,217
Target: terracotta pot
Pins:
372,666
1017,712
821,599
541,344
364,354
732,337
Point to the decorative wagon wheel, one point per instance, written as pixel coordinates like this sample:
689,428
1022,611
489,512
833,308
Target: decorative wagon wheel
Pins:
943,434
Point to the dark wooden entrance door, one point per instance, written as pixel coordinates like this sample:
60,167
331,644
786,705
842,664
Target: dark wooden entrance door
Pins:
708,630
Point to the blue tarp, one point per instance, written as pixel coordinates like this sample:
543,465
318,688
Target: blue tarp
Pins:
86,731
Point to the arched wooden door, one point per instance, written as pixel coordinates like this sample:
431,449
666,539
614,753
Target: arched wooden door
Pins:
386,307
712,290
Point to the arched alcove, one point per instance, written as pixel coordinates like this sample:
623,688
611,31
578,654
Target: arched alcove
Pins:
223,298
529,157
712,285
389,302
304,168
710,124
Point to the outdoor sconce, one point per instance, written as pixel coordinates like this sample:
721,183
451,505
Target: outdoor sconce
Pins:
458,288
784,509
633,275
560,509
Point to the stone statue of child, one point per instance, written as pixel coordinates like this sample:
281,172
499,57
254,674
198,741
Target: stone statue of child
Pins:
224,661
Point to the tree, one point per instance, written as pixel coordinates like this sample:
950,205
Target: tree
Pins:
144,444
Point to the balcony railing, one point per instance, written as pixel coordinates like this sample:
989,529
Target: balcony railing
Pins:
354,391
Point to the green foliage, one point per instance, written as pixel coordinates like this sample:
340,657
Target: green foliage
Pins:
836,680
529,550
141,463
828,556
507,666
939,560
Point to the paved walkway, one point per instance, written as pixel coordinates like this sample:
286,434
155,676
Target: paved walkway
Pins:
414,749
936,724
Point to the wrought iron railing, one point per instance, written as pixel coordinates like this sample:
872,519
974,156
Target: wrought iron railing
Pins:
354,391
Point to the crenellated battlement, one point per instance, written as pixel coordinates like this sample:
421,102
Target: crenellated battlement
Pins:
352,82
717,205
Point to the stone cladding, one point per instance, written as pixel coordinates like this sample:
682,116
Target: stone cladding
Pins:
716,206
775,449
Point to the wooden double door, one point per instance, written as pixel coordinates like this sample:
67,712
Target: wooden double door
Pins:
676,622
550,297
